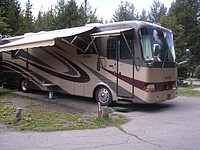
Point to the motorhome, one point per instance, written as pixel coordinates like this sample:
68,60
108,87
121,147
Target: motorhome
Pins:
130,60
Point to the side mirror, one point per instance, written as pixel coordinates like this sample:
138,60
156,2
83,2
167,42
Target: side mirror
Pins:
187,52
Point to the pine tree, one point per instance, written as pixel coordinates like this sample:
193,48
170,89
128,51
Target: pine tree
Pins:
67,14
10,10
72,14
39,23
187,14
45,21
143,16
4,28
126,11
28,18
87,15
157,11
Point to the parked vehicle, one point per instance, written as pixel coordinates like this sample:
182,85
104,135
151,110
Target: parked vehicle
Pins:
131,60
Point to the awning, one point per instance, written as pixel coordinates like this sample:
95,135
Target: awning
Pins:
110,33
44,38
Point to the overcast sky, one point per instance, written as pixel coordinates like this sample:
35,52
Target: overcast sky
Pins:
105,8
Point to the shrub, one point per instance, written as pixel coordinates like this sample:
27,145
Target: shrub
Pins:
197,72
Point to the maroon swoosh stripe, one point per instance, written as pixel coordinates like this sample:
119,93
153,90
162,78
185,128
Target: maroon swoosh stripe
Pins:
20,71
160,86
84,77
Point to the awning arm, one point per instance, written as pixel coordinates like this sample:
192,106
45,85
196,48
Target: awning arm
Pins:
74,39
77,37
67,42
17,52
93,38
89,46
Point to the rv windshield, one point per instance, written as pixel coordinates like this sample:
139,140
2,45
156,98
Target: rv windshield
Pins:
157,45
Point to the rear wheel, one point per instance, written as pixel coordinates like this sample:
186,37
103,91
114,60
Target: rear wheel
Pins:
24,85
103,95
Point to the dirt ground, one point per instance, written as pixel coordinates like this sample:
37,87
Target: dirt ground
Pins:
39,100
60,103
25,102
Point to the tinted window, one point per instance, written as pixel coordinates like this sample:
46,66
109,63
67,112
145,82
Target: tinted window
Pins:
125,51
111,49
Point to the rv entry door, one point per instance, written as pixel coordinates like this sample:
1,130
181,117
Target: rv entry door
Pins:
125,70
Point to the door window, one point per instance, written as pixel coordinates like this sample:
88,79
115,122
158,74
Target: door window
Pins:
111,49
126,50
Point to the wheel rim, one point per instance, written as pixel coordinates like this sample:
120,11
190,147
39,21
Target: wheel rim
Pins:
24,85
103,95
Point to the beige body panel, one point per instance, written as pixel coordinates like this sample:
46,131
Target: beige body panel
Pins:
156,75
152,75
157,96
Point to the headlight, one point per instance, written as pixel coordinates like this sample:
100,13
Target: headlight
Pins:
150,88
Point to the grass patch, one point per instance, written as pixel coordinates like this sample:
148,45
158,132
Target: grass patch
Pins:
34,119
43,120
7,113
188,90
4,92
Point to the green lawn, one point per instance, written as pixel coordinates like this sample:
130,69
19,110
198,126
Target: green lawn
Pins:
188,90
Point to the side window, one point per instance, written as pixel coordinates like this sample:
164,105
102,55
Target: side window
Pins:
15,54
111,48
125,52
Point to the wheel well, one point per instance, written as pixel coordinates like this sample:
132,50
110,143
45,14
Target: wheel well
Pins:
101,85
20,80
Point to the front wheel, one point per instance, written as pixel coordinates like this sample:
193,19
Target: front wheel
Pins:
24,85
103,95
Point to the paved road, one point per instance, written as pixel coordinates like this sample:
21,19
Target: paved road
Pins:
171,125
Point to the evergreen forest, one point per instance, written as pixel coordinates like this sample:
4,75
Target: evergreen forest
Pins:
183,18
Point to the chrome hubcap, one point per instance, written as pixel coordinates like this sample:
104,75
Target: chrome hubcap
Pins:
103,95
24,85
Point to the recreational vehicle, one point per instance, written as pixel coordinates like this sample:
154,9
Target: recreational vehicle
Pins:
131,60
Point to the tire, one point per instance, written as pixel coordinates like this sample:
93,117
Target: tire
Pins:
103,95
23,85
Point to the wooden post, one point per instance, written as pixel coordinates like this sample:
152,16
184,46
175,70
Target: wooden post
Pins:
18,116
99,110
105,112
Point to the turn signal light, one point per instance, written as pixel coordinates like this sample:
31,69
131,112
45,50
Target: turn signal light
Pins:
150,88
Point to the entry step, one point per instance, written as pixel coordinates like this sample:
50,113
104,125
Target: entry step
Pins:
123,106
124,102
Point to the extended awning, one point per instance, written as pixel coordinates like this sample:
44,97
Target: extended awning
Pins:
110,33
44,38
